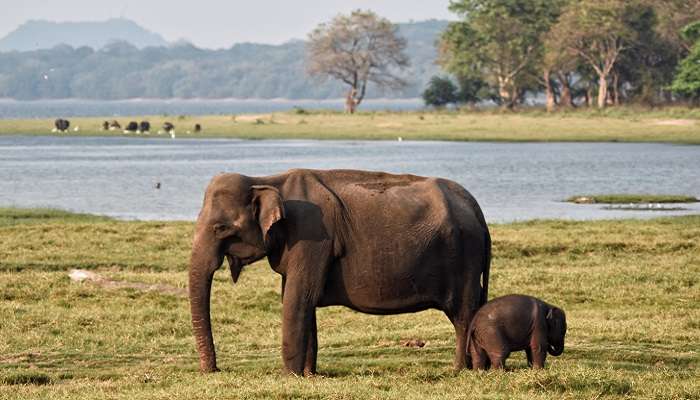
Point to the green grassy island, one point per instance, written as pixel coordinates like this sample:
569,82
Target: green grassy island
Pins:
624,124
631,199
629,287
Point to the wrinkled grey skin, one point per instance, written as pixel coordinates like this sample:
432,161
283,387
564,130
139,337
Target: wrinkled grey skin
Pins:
515,323
374,242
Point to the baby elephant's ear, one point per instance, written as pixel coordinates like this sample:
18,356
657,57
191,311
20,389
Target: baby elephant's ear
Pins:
556,319
268,207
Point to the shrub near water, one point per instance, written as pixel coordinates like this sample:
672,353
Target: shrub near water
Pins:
630,290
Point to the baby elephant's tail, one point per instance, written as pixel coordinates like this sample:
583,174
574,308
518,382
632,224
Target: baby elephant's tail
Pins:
470,332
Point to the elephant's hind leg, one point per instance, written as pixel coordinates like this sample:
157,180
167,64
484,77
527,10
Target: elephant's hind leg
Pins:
460,361
461,322
461,316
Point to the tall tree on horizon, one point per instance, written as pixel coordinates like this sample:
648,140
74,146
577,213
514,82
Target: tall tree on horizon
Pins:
498,40
357,49
597,32
687,80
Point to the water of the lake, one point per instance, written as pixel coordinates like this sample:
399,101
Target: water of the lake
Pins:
116,176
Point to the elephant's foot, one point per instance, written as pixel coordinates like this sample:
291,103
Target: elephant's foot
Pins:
290,372
208,368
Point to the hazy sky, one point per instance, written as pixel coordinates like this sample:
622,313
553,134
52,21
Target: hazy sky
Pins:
217,23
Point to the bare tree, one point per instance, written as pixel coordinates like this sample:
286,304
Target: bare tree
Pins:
597,32
356,49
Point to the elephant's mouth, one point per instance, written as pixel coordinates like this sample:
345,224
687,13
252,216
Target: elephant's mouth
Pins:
239,262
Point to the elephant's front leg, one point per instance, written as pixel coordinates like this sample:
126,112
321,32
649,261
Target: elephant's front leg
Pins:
311,348
298,316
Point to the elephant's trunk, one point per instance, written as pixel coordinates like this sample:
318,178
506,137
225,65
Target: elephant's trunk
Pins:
556,350
201,276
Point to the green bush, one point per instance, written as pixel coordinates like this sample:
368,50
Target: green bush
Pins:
687,80
440,92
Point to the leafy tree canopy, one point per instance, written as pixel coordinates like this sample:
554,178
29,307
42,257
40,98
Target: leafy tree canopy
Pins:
440,92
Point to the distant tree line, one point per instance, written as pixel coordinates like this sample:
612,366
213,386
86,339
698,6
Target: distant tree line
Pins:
602,52
121,71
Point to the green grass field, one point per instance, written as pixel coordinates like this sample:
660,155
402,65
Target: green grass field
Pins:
625,124
632,198
630,290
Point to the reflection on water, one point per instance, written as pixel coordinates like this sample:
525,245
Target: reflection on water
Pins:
117,176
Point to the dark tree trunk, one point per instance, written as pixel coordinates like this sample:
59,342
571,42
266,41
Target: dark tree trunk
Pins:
566,99
350,103
589,95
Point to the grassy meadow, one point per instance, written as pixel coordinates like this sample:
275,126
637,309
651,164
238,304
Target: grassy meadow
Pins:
632,198
629,287
624,124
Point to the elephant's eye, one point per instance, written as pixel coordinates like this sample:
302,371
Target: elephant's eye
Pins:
223,230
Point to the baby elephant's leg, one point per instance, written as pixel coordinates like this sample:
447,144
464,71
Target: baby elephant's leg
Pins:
498,359
536,355
498,349
479,357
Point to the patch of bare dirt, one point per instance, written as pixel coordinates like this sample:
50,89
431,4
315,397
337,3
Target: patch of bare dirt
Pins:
81,275
675,122
390,125
252,117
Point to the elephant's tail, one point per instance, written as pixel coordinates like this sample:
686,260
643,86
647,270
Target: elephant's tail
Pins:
486,269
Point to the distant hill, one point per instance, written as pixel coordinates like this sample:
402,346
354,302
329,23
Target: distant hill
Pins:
121,70
35,35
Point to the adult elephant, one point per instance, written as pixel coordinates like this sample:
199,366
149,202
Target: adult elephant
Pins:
374,242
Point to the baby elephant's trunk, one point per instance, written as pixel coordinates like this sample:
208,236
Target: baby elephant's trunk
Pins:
556,350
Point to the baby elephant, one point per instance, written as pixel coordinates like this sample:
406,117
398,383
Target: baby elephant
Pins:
514,323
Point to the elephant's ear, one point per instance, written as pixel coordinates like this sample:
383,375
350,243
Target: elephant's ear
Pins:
268,207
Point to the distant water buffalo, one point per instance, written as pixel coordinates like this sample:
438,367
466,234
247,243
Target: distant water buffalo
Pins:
61,125
105,126
114,124
168,128
132,126
197,128
145,126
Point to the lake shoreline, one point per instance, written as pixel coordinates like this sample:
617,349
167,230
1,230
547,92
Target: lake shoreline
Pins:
478,126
